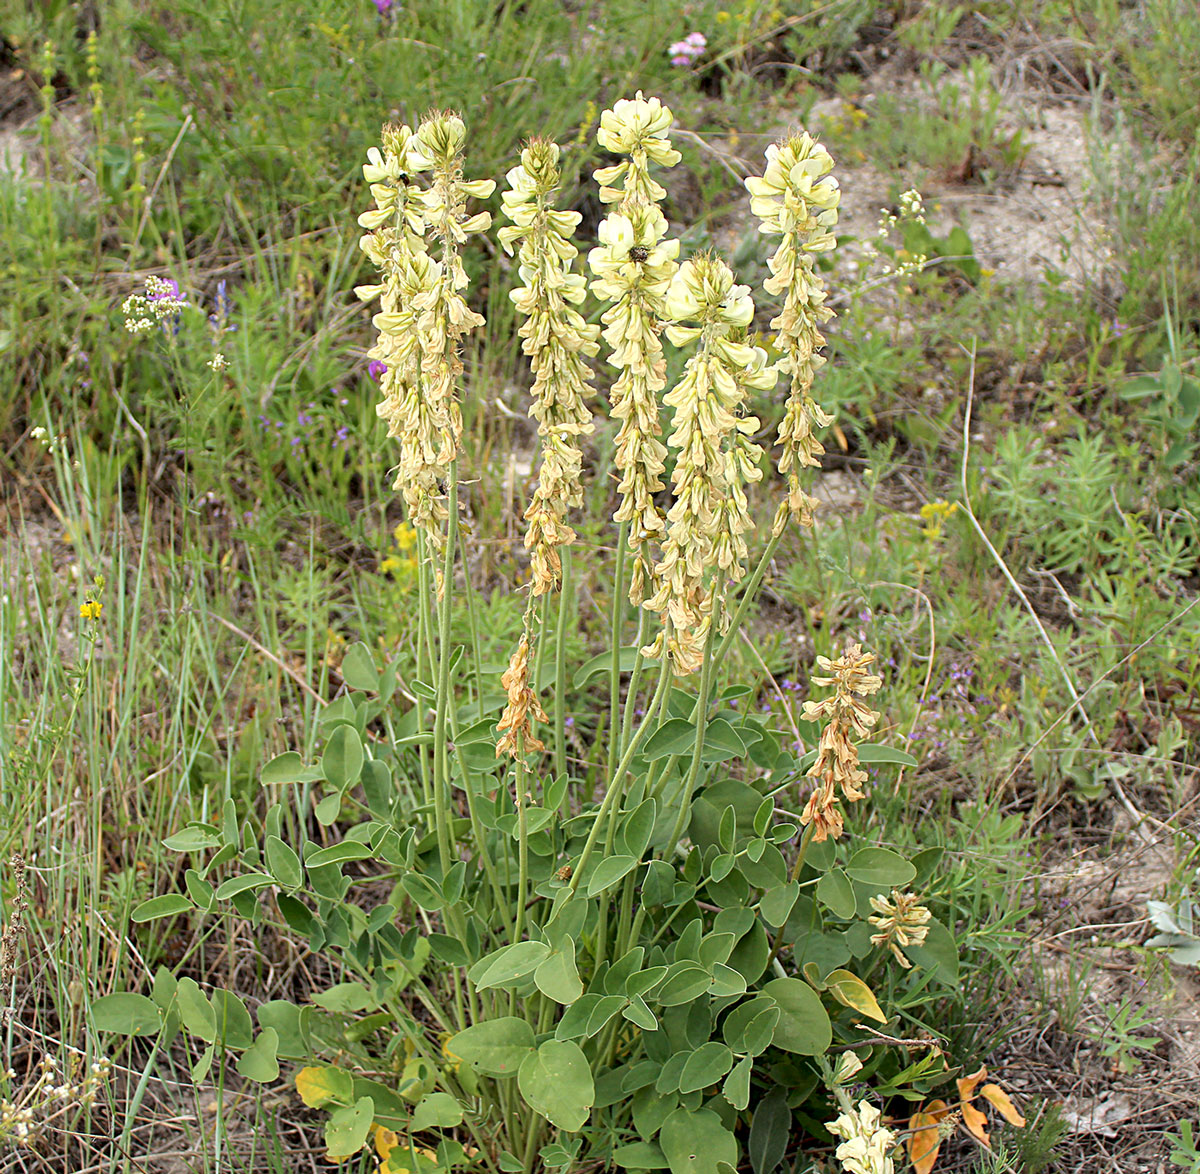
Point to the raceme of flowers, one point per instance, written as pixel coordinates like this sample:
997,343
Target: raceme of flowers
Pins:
558,341
797,200
633,267
424,315
709,514
901,921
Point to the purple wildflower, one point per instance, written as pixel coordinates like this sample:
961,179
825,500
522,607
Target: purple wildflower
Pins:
376,370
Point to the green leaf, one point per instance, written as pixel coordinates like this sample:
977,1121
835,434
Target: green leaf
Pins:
258,1062
283,863
938,953
346,1131
289,1023
195,1010
341,853
232,1020
836,893
610,870
721,742
777,903
686,983
867,752
168,905
705,1066
192,839
639,1155
423,890
769,1131
358,668
126,1014
494,1047
750,1026
199,1070
244,884
695,1142
626,659
508,964
803,1026
736,1089
676,736
328,809
449,950
556,1081
556,977
283,768
438,1110
341,764
637,828
878,866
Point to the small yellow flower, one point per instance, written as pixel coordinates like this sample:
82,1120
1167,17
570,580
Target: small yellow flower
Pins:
91,609
405,536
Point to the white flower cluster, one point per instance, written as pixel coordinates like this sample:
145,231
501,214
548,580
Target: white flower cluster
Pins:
159,304
423,314
558,342
633,266
797,199
867,1144
715,455
52,1096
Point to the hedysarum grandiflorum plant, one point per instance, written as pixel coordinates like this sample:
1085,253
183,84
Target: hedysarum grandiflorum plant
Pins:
634,956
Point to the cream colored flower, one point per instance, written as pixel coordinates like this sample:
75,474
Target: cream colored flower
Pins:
867,1143
423,315
633,267
558,341
709,435
902,921
797,199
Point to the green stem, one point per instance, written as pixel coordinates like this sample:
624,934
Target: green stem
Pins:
522,852
749,592
700,718
614,635
560,667
635,680
615,781
441,780
805,840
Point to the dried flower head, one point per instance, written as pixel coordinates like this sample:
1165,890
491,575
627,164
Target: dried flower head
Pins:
902,921
558,341
517,737
867,1143
797,199
846,717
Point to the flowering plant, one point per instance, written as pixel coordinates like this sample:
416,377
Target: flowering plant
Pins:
608,940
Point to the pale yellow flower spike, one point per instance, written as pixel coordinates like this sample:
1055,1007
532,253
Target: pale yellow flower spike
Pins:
557,341
708,516
423,315
633,267
797,199
846,717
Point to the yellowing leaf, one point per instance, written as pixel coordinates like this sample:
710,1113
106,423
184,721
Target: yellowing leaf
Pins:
324,1086
852,992
1003,1102
924,1141
968,1084
976,1122
386,1140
